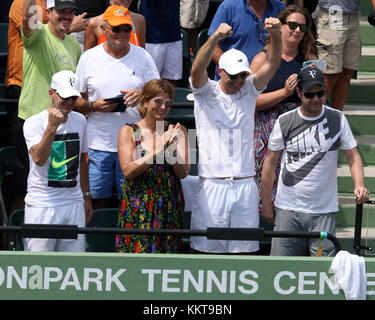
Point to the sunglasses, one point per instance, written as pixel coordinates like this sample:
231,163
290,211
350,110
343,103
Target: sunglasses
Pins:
310,95
66,99
294,25
159,102
118,29
242,75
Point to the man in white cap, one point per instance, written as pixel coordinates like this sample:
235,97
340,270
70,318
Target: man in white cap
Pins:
58,189
227,195
47,50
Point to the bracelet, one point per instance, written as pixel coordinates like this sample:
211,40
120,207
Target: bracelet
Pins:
87,194
91,106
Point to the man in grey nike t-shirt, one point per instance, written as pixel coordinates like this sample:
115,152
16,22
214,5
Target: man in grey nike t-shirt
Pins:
308,140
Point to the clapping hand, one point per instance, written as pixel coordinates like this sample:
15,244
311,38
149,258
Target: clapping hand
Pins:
290,84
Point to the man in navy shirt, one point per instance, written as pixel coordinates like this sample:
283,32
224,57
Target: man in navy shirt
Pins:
246,17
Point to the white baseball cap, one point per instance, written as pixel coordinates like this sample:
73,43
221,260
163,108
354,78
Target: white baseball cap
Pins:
234,61
64,82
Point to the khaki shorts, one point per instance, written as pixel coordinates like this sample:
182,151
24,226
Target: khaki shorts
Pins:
193,13
338,40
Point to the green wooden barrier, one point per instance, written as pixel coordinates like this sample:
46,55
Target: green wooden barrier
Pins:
90,276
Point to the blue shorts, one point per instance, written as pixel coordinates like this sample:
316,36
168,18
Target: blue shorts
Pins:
104,172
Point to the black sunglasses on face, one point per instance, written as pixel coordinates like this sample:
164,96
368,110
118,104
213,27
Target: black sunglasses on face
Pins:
310,95
118,29
242,75
294,25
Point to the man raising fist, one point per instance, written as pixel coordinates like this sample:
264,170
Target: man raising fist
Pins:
58,189
224,115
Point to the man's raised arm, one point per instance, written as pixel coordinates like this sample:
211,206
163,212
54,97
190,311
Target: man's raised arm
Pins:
31,14
269,68
199,76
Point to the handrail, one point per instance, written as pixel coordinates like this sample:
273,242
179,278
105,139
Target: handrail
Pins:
58,231
358,228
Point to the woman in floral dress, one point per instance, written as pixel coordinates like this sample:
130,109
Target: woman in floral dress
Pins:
154,157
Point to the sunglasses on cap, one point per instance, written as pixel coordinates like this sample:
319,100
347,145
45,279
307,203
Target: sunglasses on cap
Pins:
118,29
242,75
310,95
294,25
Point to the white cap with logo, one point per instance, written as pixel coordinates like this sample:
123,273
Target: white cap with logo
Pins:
234,61
64,82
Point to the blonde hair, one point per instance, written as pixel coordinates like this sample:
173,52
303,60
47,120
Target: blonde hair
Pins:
152,89
306,46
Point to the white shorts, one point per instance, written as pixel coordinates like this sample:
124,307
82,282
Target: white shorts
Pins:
70,214
225,203
168,58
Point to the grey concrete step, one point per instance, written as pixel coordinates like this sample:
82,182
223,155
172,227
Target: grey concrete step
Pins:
344,171
349,233
365,140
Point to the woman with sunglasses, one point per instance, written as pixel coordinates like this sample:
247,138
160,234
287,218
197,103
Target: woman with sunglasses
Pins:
95,36
153,156
280,95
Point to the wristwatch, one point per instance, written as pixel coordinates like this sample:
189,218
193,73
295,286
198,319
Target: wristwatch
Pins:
87,194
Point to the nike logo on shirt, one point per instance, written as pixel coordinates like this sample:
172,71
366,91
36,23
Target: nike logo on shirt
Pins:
56,164
291,178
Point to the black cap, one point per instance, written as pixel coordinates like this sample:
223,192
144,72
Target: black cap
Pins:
61,4
371,18
309,77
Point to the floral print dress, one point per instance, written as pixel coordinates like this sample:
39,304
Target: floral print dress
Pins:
152,200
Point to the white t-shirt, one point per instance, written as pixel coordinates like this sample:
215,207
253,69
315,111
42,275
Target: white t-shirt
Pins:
225,129
103,76
57,182
308,176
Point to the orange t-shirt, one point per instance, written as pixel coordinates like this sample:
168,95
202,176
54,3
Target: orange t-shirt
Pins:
15,44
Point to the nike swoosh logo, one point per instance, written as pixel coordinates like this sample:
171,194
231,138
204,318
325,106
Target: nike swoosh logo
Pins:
56,164
291,178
